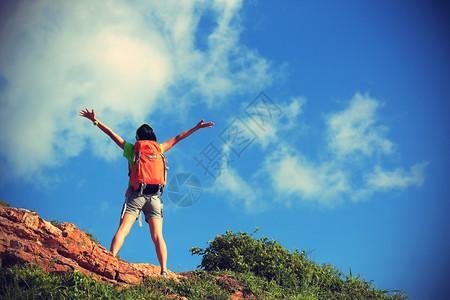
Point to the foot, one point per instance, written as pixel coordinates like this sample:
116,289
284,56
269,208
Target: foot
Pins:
164,274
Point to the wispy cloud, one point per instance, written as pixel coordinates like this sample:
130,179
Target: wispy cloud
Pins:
354,131
399,178
296,178
125,58
240,192
272,120
345,169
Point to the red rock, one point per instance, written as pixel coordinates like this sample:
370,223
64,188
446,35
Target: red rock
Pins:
237,295
25,237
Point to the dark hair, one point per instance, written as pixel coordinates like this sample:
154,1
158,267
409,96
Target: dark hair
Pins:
145,132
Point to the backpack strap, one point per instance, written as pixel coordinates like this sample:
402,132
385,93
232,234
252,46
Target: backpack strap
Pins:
124,208
160,192
141,191
166,167
137,157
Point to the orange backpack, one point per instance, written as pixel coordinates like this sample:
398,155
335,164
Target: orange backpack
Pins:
149,165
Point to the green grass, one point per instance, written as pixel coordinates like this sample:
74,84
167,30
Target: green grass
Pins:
4,204
31,282
231,262
91,235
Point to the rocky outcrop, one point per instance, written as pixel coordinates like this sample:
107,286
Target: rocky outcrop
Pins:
25,237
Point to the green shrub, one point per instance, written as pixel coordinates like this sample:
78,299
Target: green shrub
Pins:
241,253
54,222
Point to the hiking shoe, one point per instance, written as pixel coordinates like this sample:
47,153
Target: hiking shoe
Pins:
164,274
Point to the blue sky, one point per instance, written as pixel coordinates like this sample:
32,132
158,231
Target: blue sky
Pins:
330,127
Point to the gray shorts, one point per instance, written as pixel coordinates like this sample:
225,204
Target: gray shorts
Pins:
150,204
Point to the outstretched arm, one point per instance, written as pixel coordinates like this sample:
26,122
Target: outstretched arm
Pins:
170,143
91,116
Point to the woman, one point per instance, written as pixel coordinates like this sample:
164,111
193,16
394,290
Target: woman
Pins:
148,201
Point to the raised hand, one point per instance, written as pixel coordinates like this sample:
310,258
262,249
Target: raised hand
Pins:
88,114
203,125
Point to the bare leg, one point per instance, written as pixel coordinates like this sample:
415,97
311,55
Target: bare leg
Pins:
160,245
124,228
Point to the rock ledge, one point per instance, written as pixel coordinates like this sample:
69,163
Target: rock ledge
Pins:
25,237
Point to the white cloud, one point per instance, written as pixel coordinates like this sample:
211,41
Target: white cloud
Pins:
381,180
124,58
292,174
399,178
335,175
294,108
291,110
241,193
354,131
271,122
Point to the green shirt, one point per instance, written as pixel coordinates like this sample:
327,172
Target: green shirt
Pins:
128,153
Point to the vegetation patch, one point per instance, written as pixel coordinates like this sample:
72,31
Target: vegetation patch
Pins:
233,265
4,204
271,270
